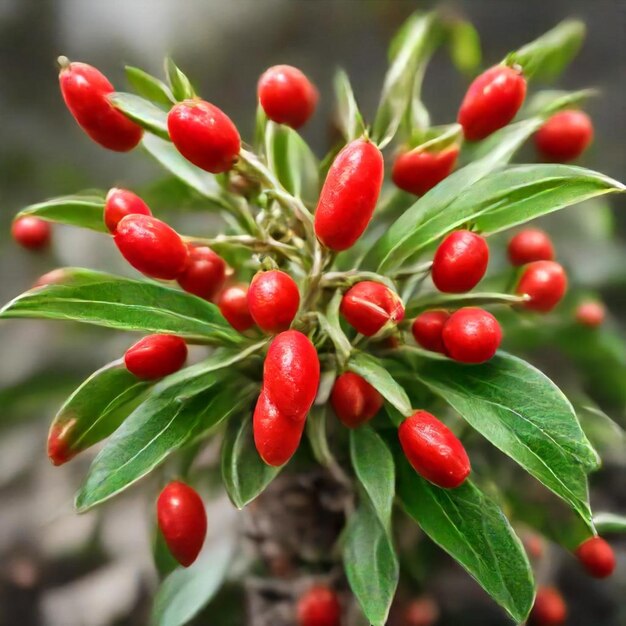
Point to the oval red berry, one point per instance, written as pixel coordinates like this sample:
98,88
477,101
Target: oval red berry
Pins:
460,262
565,136
530,245
471,335
204,274
418,171
120,203
273,300
319,606
156,356
31,232
427,330
549,608
233,305
597,557
545,284
354,400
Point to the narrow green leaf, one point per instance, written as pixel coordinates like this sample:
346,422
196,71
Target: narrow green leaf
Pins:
607,437
464,45
149,87
316,433
141,111
178,81
106,300
332,327
553,100
349,116
456,300
610,523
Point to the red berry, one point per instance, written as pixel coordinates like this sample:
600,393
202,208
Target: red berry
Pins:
422,611
545,283
85,91
349,195
368,306
233,304
276,436
273,300
460,262
31,232
156,356
427,328
471,335
204,135
319,606
535,546
287,95
354,400
59,452
182,521
530,245
418,171
433,450
291,374
205,273
491,101
565,136
597,557
549,609
151,246
120,203
590,314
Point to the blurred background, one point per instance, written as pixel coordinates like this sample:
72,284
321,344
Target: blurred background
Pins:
60,569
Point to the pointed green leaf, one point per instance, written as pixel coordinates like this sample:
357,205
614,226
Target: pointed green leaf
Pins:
464,45
178,81
77,210
349,116
149,87
610,523
141,111
456,300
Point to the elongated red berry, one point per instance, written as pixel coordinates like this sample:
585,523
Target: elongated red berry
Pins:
273,300
549,608
156,356
597,557
545,284
491,101
151,246
85,91
471,335
349,195
204,274
319,606
590,314
233,304
182,520
287,95
276,436
120,203
354,400
368,306
565,136
433,450
291,374
427,330
204,135
530,245
417,171
423,611
31,232
460,262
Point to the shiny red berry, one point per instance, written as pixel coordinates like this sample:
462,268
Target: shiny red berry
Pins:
233,304
530,245
460,262
417,171
156,356
291,374
549,608
597,557
204,274
273,300
319,606
120,203
182,521
565,136
433,450
590,314
85,91
422,611
427,330
368,306
59,450
354,400
491,101
31,232
287,95
151,246
471,335
204,135
545,283
349,195
276,436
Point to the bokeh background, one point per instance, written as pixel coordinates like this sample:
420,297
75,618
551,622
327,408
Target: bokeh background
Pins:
60,569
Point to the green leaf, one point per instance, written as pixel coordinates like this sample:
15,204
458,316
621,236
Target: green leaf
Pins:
115,302
438,300
76,210
316,433
610,523
553,100
464,45
179,83
141,111
472,529
605,435
349,116
179,410
546,57
331,325
244,474
149,87
375,374
186,591
98,406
